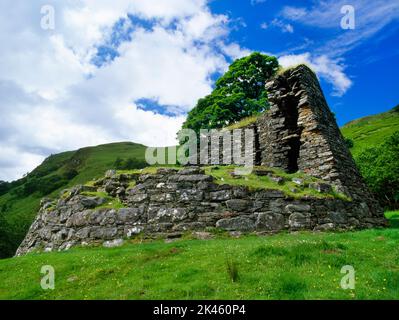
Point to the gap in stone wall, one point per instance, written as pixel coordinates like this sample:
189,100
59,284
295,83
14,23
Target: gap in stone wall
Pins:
257,151
289,108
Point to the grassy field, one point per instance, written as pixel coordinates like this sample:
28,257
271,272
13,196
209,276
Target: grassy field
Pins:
372,130
301,265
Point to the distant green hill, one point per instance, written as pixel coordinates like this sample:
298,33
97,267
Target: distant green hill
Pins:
19,205
371,131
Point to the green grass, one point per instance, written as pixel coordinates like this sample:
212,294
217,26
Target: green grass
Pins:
243,123
149,170
393,217
371,131
223,175
110,202
285,266
392,214
282,70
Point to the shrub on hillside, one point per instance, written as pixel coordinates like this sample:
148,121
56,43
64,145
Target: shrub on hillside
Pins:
4,187
43,186
69,174
6,246
349,143
379,166
129,164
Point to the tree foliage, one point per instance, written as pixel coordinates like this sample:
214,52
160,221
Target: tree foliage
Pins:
349,143
129,164
4,187
239,93
379,166
6,248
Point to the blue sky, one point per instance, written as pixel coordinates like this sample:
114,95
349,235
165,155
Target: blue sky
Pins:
130,70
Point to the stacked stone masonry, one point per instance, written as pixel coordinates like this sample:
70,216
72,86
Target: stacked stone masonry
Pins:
170,203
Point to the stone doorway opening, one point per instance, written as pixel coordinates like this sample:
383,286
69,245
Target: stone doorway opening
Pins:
289,108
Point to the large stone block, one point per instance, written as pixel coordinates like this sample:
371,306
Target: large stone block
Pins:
270,221
241,223
221,195
237,205
129,215
168,215
299,221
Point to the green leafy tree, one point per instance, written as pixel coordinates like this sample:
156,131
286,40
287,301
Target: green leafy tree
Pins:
118,163
129,164
6,248
379,166
239,93
4,187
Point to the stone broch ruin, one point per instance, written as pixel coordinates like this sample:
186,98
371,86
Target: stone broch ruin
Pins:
299,132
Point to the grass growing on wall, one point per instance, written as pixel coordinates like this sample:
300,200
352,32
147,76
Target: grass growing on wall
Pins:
224,175
243,123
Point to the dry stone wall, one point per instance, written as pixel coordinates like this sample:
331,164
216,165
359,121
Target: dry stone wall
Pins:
171,203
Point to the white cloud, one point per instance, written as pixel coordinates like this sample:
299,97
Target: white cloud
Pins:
52,97
370,18
255,2
233,50
283,26
15,162
328,69
294,13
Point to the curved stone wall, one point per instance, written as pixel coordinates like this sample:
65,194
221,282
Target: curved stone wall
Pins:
170,203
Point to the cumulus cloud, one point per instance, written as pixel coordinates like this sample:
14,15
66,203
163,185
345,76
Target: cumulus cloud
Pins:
330,70
54,98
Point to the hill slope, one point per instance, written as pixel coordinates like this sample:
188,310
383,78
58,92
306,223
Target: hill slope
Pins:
372,130
19,205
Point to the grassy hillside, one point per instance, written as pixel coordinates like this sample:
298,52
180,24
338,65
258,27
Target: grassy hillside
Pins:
375,149
20,204
372,130
285,266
